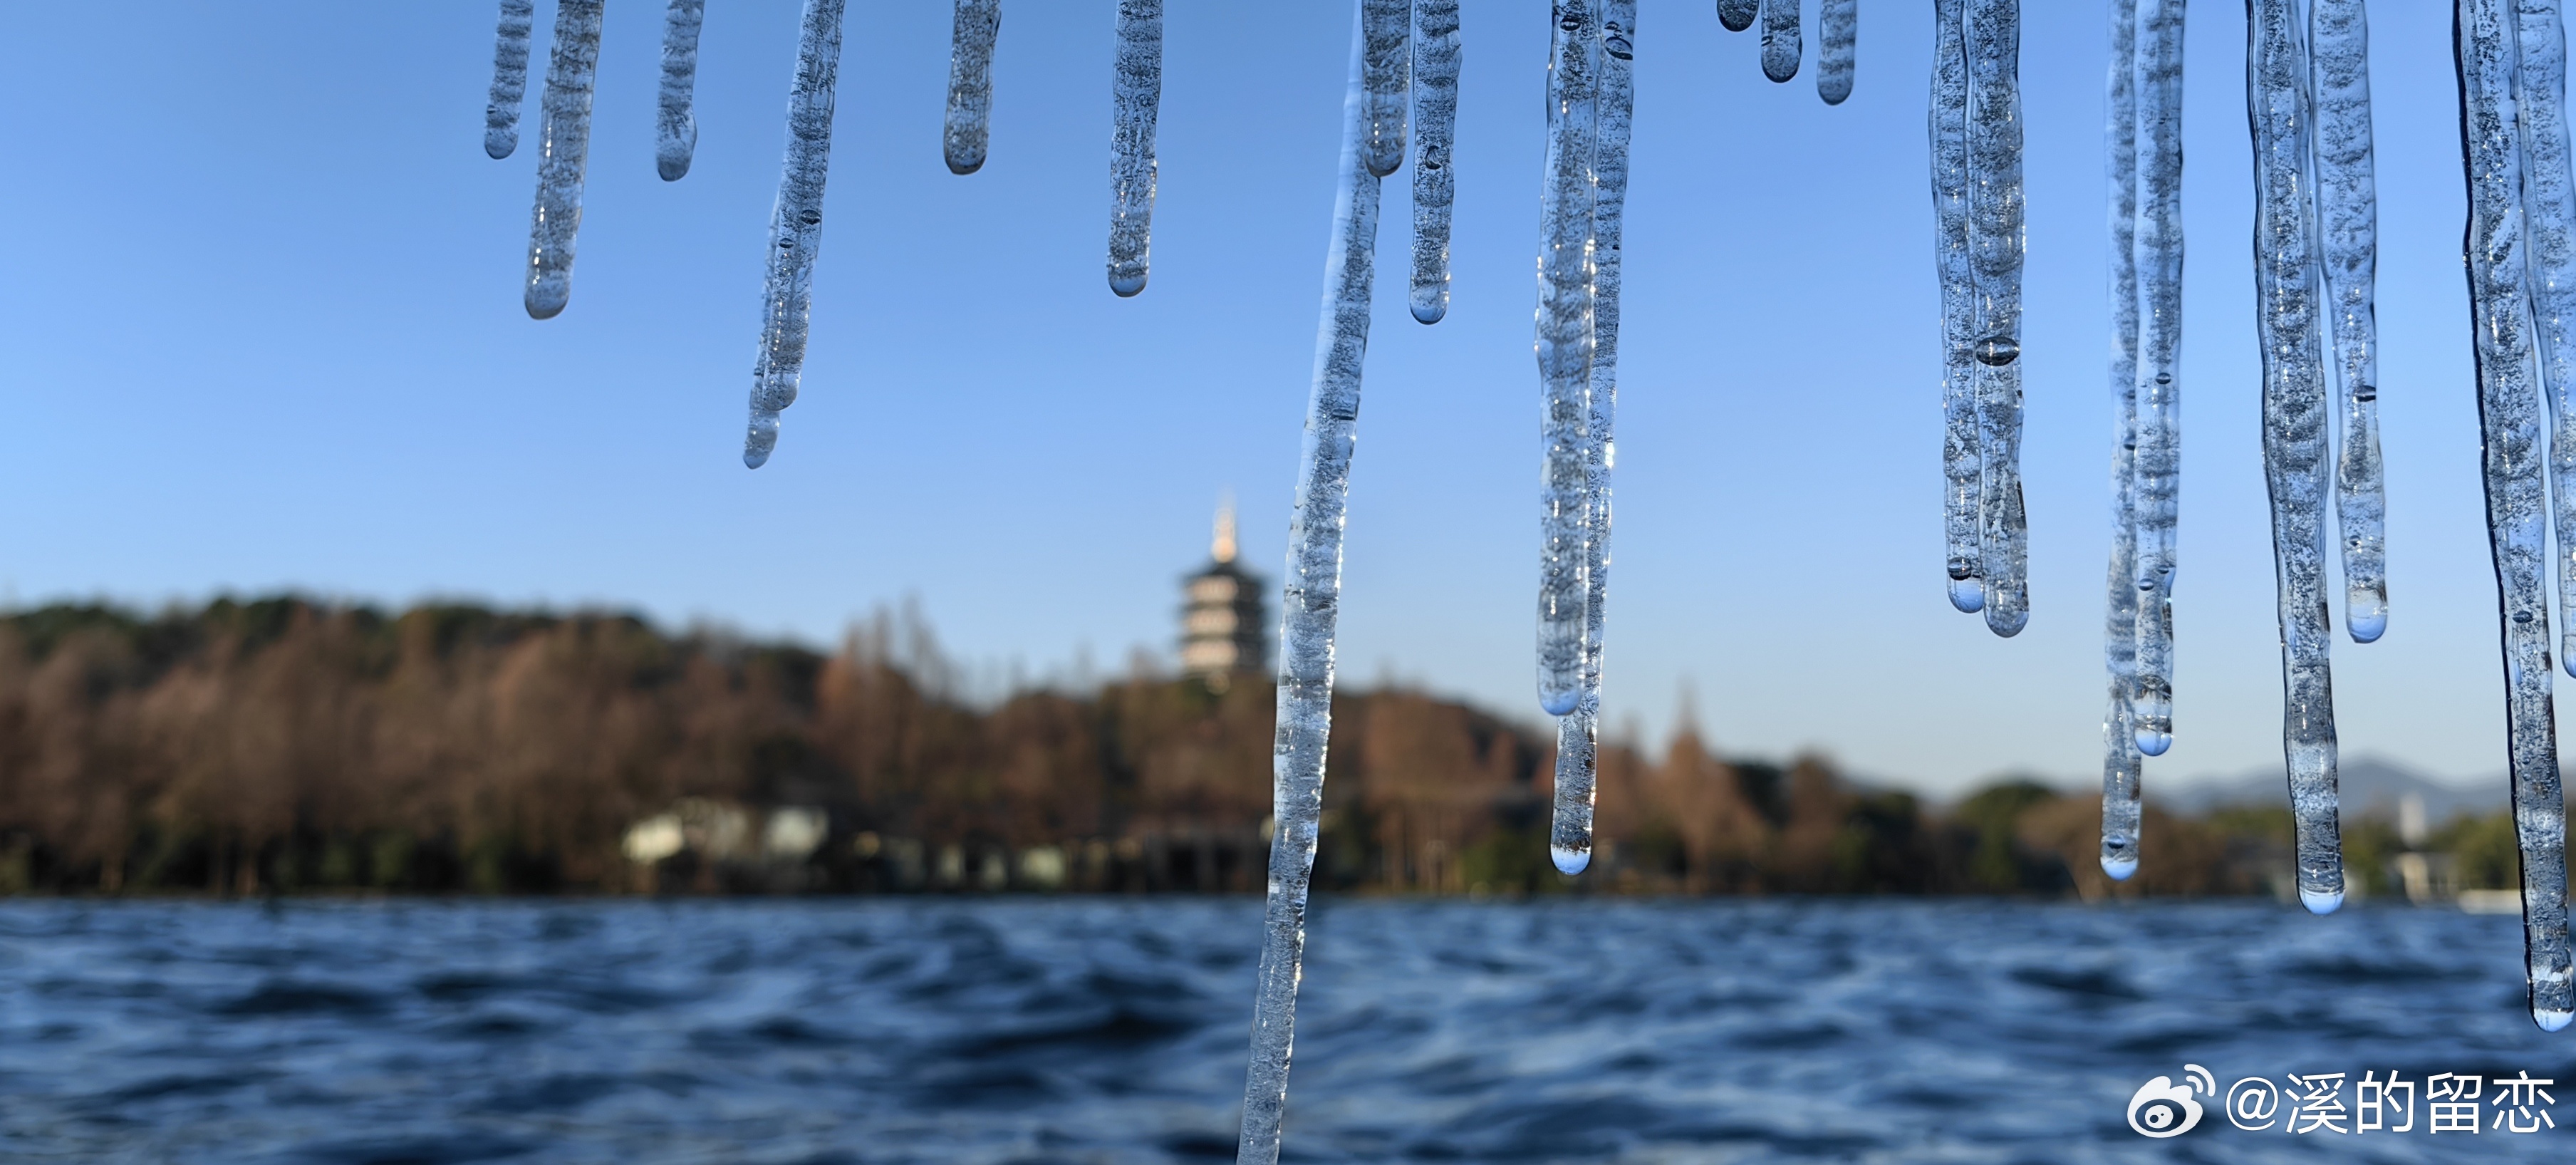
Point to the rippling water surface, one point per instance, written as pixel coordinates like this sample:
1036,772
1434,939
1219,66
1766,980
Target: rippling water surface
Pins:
1114,1030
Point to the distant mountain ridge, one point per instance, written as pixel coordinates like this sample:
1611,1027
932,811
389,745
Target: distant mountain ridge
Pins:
2371,786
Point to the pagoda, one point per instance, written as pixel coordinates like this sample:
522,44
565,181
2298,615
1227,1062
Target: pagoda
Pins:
1225,627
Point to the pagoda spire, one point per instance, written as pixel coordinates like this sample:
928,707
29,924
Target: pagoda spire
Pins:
1223,547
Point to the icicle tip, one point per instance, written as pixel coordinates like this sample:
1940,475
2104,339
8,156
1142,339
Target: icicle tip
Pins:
2368,626
2152,742
2119,869
1126,284
2320,901
1570,861
1968,595
2551,1019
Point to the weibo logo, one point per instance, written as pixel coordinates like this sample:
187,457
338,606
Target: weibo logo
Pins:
2161,1108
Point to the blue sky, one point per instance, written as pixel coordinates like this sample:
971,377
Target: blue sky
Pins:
262,330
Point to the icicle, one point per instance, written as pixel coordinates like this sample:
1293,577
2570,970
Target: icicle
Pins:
2159,453
1308,605
795,228
2549,210
970,84
1386,80
1837,42
509,77
1136,93
2516,499
676,128
1565,338
2121,811
1435,124
1962,450
1737,15
1995,252
2348,231
2295,421
1570,837
1780,39
565,154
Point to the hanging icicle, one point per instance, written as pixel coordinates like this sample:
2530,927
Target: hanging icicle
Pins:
1837,48
795,228
1436,58
1309,605
970,84
2549,215
1962,449
2295,427
1136,95
2158,462
509,77
1385,81
1995,244
675,138
2516,496
1578,732
1780,48
2121,807
2348,238
1565,339
1738,15
564,156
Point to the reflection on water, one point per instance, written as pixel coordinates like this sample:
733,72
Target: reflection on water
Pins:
1114,1030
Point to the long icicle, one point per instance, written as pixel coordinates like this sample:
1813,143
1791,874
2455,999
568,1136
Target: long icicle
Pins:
1308,607
563,156
1578,733
1136,97
2121,809
2549,214
1995,243
2348,236
1780,39
675,138
1837,48
2296,420
509,77
2516,496
795,228
969,125
1564,345
1386,80
2159,454
1962,450
1436,57
1738,15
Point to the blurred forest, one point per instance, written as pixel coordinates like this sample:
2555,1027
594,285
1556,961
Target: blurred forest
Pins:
285,745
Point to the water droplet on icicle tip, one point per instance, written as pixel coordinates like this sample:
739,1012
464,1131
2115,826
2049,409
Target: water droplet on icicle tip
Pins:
1997,351
2320,901
2367,626
761,440
546,298
1569,861
2119,869
2153,742
1968,595
1126,283
2551,1019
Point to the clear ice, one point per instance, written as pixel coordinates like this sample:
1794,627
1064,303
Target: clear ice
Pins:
675,137
1837,46
1738,15
2516,497
2296,421
1780,39
563,156
1962,450
1436,56
1564,345
2348,236
2157,486
1136,95
1386,68
1995,244
1577,733
509,77
795,228
969,125
1309,603
2549,214
2121,809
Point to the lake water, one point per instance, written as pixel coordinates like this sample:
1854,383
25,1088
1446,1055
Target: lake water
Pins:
1113,1030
